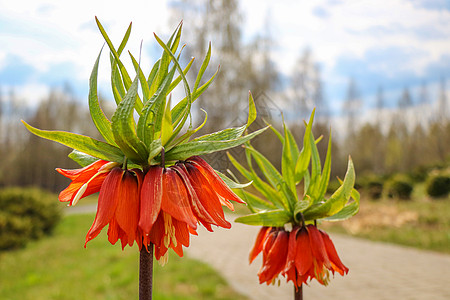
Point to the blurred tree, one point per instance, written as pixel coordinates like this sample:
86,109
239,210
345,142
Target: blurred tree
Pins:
243,68
307,87
351,107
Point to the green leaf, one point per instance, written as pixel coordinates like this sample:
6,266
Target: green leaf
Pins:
202,70
231,183
274,218
251,110
178,79
196,147
81,158
166,127
274,178
142,79
287,165
226,134
150,121
98,117
302,205
265,189
155,149
315,167
81,143
123,127
337,201
325,177
172,143
180,70
304,157
254,202
349,210
179,110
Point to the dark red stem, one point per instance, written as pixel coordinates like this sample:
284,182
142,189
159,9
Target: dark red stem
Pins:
298,292
146,273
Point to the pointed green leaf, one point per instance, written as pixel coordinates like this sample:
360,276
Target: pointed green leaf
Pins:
179,110
226,134
166,128
142,79
123,127
98,117
155,149
126,78
81,143
337,201
231,183
304,157
81,158
265,189
178,79
254,202
287,165
251,110
325,177
349,210
274,218
202,70
183,151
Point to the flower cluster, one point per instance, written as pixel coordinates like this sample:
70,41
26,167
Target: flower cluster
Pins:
302,254
161,207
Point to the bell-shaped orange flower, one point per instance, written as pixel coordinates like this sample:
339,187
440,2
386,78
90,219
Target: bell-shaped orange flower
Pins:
300,255
85,181
118,206
175,199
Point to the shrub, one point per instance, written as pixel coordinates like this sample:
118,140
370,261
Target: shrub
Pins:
375,188
438,185
399,187
26,214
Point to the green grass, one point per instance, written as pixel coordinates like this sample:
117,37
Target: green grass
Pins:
421,223
58,267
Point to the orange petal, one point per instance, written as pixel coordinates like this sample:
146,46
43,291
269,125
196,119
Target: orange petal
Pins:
90,170
318,247
260,238
207,196
332,255
151,197
181,232
218,184
197,208
175,199
292,248
107,202
303,257
127,211
275,261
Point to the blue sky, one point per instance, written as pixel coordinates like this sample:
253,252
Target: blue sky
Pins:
394,44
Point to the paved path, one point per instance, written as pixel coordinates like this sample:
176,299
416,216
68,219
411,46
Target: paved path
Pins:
377,270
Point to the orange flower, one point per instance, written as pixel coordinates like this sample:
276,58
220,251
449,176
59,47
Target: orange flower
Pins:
175,199
85,181
118,206
300,255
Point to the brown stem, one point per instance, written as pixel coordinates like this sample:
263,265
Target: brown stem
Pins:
298,292
146,273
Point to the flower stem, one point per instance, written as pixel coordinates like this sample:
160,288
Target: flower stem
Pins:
146,273
298,292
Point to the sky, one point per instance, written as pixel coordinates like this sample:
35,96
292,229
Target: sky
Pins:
395,44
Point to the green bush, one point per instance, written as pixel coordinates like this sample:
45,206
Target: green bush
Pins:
375,188
26,214
399,187
438,185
